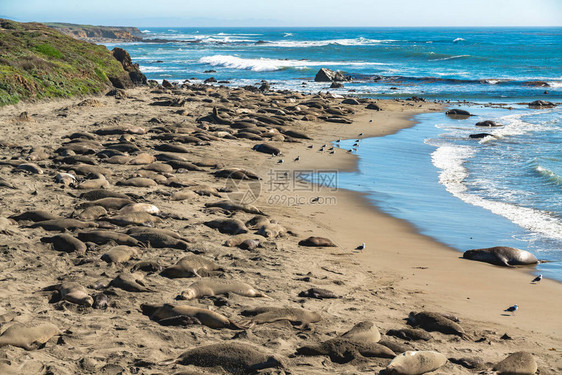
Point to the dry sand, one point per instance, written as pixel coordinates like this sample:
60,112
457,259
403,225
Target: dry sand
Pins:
400,271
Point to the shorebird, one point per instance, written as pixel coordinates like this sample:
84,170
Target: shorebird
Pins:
297,158
311,146
349,151
356,144
314,200
332,152
360,134
338,141
280,161
537,279
512,309
361,247
330,149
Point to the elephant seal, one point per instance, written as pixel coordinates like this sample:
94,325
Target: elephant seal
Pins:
91,213
28,337
295,316
228,226
35,216
63,224
415,362
130,282
517,363
101,237
317,242
120,254
133,218
234,357
410,334
94,195
431,321
318,293
365,331
109,203
214,287
66,242
502,256
75,293
341,350
167,314
158,239
190,266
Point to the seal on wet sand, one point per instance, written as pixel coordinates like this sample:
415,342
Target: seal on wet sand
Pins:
502,256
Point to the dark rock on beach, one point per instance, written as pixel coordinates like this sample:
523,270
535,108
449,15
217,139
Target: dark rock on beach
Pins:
327,75
541,104
135,75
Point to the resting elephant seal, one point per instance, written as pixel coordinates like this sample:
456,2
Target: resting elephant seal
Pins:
168,314
415,362
120,254
341,350
502,256
317,242
236,358
435,322
66,242
210,287
191,266
294,315
75,293
517,363
365,331
27,337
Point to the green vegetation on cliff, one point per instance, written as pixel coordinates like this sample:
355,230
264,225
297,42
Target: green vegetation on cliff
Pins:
38,62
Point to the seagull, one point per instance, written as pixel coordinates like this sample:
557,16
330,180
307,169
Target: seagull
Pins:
512,309
297,158
280,161
361,247
537,279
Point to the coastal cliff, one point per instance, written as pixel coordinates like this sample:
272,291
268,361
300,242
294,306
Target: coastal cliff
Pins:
39,62
98,34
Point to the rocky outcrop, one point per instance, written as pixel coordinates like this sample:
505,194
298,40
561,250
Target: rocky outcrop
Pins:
541,104
327,75
99,33
135,75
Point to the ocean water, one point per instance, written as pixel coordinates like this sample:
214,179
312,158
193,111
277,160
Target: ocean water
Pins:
504,189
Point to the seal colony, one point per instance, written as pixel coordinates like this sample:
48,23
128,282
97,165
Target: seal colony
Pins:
126,247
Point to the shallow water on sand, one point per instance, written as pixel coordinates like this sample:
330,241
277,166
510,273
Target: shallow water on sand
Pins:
471,193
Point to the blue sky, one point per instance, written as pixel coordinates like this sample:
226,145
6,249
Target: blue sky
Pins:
288,12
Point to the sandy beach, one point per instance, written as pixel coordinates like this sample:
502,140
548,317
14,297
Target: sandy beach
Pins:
400,271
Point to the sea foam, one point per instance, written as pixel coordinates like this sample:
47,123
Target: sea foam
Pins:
269,65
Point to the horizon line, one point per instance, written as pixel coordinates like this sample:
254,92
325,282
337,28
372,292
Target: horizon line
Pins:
301,26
